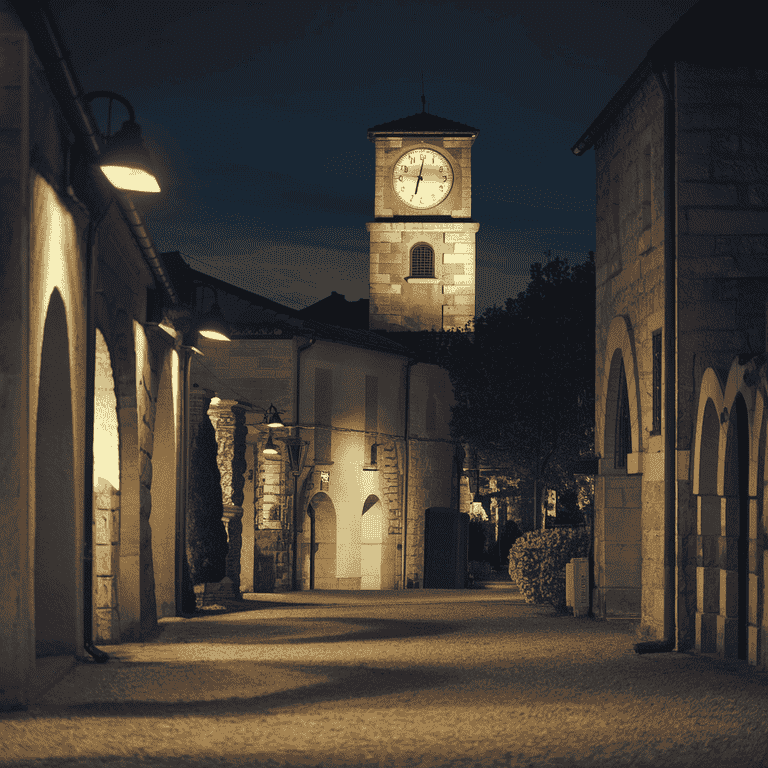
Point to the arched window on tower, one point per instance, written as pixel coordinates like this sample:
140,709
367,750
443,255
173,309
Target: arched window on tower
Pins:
622,445
422,261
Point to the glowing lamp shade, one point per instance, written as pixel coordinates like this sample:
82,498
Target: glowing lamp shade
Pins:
130,179
272,418
269,448
213,325
126,162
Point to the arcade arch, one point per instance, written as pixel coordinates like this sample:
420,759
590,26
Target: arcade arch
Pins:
617,519
322,543
56,555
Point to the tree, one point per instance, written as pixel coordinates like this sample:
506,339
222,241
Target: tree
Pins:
206,537
524,380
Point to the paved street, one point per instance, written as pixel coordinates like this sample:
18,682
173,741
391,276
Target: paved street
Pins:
416,678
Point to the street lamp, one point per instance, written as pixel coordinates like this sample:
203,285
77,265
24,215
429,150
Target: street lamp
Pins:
296,455
212,325
126,161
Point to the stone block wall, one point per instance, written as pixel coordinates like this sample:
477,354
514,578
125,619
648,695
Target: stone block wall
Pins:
429,485
400,302
630,303
106,556
271,567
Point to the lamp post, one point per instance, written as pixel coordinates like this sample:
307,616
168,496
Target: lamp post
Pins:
296,454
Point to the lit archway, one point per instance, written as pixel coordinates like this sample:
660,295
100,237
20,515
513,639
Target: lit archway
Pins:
163,521
55,530
106,498
322,550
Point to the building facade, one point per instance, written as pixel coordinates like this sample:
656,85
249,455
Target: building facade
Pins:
377,451
91,390
682,279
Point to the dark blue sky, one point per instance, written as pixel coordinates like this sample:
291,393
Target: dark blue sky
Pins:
258,113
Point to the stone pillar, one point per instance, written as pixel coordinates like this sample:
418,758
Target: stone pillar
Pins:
106,550
228,419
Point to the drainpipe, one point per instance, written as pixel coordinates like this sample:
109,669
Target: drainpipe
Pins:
670,349
408,367
295,535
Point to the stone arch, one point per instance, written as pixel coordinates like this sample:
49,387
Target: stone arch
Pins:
106,497
706,446
734,387
322,552
56,553
618,507
734,534
727,478
619,347
165,453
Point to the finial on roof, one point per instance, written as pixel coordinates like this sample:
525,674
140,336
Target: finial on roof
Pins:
423,100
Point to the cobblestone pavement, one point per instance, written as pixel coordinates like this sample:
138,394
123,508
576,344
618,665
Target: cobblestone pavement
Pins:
416,678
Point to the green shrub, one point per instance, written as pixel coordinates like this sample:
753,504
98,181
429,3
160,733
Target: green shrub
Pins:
537,563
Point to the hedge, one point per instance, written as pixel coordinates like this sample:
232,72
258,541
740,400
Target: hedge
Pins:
537,563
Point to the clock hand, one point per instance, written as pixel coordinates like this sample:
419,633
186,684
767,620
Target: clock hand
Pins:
419,178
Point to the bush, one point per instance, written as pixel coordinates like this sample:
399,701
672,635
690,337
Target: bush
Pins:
537,563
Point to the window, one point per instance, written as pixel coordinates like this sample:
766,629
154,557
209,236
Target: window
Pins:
623,442
656,429
422,261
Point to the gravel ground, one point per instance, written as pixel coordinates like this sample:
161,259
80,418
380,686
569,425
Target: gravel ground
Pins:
417,678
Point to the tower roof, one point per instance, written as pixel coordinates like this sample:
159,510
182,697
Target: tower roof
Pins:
424,124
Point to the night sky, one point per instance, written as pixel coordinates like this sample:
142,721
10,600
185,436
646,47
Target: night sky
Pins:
258,113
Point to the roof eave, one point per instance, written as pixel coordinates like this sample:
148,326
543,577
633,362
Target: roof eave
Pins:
601,123
373,135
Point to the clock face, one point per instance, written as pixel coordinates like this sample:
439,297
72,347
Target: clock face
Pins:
422,178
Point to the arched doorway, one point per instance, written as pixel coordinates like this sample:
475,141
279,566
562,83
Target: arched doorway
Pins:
617,516
371,543
106,498
322,542
708,523
734,617
56,550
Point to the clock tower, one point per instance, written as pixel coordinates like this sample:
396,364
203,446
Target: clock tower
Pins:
423,237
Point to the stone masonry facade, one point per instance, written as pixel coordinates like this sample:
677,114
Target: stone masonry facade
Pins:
721,195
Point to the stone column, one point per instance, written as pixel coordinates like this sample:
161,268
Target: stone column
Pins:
228,419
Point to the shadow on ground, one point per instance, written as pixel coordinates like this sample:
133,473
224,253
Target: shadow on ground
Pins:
300,631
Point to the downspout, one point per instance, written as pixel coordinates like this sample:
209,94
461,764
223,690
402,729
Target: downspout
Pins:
295,535
670,349
407,468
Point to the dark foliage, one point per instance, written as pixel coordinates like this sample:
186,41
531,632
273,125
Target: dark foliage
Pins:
524,380
206,536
